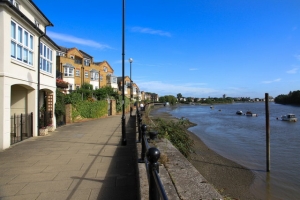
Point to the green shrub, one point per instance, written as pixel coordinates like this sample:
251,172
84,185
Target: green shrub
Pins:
89,109
176,132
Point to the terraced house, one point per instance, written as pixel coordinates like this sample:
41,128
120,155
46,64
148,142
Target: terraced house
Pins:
27,70
77,67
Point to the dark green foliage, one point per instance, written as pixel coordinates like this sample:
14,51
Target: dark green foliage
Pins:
291,98
73,98
59,104
176,132
119,103
105,92
89,109
168,98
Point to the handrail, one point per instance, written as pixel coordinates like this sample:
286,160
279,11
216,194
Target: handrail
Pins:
150,156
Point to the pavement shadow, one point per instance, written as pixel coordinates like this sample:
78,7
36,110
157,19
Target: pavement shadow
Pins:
122,175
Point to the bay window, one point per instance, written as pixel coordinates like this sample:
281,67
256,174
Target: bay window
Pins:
45,58
21,45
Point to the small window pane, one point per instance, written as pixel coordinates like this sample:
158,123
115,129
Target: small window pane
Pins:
25,55
20,34
41,48
47,68
31,42
50,55
50,67
44,64
30,56
26,38
19,52
13,49
45,51
13,30
41,63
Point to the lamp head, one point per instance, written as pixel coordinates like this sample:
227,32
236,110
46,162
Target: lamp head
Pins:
130,60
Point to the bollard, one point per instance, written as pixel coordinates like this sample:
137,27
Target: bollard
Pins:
153,154
153,135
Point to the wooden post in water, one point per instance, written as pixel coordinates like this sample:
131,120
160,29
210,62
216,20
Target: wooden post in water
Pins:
267,131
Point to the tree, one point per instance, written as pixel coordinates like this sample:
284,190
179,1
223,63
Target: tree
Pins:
179,96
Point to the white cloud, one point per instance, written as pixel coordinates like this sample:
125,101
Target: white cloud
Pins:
297,56
193,69
268,82
76,40
292,71
150,31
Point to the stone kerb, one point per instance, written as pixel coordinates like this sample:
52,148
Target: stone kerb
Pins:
180,178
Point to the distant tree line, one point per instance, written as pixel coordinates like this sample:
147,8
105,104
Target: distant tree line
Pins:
168,98
291,98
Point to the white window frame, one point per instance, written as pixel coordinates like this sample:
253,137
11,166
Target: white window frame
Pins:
77,72
87,62
105,69
21,44
68,71
15,3
86,74
46,54
94,76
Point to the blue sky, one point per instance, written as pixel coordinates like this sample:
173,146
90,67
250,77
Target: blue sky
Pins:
198,48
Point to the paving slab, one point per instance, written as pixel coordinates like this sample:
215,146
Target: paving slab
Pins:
83,160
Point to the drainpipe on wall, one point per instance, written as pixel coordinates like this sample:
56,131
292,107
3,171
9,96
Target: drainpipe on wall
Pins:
38,77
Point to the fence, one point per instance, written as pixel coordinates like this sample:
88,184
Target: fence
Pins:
21,127
150,156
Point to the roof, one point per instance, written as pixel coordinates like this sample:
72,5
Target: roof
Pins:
18,12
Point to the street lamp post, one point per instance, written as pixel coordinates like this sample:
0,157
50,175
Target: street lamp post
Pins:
124,141
131,82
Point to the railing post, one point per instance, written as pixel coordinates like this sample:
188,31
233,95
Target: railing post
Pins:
31,124
153,154
21,126
139,127
143,152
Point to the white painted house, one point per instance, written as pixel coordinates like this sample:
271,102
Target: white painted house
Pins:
27,70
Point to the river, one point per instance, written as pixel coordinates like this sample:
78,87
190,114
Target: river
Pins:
243,140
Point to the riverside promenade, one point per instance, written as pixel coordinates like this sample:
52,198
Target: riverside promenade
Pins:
83,160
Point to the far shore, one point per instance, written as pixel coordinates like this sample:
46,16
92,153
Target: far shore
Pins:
229,178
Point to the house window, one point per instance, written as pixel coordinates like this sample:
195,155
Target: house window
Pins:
36,23
114,79
94,76
21,45
77,72
86,74
101,78
87,62
70,87
105,69
16,4
68,71
45,58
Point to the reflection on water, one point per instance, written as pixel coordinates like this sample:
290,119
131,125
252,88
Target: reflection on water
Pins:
243,140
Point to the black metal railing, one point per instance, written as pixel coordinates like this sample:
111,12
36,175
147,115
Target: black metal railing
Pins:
21,127
150,156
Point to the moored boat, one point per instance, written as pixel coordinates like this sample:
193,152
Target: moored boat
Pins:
289,117
250,114
239,112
